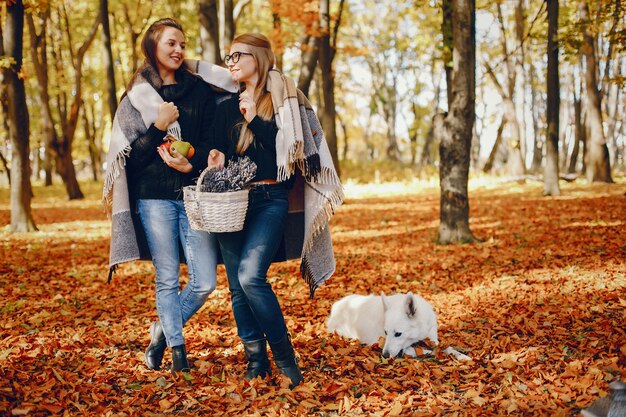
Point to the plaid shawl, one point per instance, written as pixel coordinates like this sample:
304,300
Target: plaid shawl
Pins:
137,110
300,143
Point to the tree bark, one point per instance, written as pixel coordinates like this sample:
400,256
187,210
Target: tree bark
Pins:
456,129
39,56
209,31
551,171
89,127
326,56
21,191
578,132
446,29
537,142
597,163
228,26
108,58
494,151
310,52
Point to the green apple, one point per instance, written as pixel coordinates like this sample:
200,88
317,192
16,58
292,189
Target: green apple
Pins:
183,148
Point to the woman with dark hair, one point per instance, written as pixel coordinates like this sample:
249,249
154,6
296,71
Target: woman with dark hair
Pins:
248,125
144,182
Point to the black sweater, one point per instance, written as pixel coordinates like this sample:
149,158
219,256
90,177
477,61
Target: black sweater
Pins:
149,177
262,150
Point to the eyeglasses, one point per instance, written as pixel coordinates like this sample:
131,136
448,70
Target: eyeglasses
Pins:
234,57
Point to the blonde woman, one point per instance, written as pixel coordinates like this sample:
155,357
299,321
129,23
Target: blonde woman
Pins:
245,126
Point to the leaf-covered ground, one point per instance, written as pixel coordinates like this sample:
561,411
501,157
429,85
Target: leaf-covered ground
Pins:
539,306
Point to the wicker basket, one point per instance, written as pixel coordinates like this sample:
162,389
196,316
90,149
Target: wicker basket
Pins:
215,212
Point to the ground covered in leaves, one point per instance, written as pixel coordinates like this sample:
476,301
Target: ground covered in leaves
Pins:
539,305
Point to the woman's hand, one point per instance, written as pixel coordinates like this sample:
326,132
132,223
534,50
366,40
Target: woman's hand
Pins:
216,159
177,162
247,106
168,114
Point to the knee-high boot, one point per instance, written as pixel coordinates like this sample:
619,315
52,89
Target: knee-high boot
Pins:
285,359
258,363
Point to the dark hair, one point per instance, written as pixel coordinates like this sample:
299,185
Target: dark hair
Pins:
152,36
148,46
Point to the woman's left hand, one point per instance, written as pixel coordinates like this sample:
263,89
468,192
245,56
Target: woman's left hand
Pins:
247,106
178,162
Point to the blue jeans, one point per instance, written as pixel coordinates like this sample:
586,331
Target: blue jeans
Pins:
165,224
247,255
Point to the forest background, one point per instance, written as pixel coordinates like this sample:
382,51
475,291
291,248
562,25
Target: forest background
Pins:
379,74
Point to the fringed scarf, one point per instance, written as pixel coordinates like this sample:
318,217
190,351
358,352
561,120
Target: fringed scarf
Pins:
137,110
300,143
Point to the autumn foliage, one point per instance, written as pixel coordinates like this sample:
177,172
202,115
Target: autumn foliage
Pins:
539,305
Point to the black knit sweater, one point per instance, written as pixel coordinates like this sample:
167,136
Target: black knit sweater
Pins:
149,177
262,151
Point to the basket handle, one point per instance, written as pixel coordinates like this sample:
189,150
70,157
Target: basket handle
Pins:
199,182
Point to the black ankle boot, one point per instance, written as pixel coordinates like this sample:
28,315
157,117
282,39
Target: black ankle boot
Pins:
258,364
156,348
285,359
179,359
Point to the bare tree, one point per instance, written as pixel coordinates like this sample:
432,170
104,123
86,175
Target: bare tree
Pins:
455,130
21,191
551,171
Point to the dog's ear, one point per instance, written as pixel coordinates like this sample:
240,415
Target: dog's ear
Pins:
384,300
410,306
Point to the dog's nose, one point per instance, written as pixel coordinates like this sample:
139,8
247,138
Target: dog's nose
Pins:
385,354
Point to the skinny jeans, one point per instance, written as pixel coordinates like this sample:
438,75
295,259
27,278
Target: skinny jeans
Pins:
247,255
165,225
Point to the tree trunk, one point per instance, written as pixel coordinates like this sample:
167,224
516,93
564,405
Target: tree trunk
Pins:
310,53
390,108
515,161
228,26
494,151
326,56
551,172
455,130
4,113
21,191
520,62
446,29
108,58
578,132
39,56
537,142
209,31
278,46
598,164
89,127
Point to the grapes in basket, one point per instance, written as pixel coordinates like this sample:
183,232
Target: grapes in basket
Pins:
233,177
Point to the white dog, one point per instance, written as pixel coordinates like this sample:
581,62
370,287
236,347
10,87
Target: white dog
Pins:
403,319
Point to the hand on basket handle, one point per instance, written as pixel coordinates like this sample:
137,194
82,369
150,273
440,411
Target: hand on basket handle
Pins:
216,159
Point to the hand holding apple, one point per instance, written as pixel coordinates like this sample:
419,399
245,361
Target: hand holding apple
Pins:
170,144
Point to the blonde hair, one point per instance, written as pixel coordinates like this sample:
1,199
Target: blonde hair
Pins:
261,50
